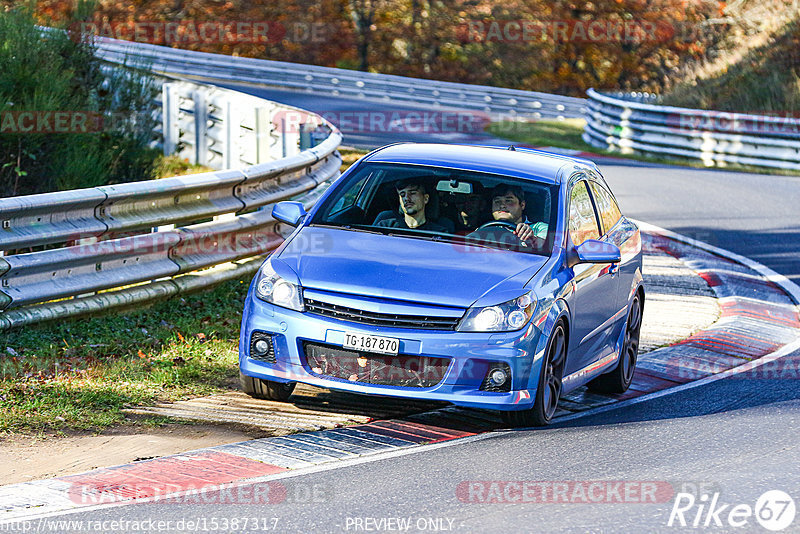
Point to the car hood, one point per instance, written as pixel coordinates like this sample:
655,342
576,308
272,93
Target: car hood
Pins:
404,268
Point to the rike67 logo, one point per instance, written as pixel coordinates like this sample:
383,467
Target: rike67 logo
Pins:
774,510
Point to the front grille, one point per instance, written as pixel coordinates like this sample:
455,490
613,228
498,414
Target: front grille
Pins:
380,319
369,368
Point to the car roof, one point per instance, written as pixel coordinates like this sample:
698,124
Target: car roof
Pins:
518,163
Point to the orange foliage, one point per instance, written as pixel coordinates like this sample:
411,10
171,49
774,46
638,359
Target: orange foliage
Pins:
467,41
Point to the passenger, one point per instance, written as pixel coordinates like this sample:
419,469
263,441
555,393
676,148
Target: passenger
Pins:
471,210
508,205
413,201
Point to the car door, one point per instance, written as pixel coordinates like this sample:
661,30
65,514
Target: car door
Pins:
595,285
617,234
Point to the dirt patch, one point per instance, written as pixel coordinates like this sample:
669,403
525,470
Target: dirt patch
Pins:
27,458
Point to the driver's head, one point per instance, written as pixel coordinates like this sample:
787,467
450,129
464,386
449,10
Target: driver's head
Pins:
508,203
413,195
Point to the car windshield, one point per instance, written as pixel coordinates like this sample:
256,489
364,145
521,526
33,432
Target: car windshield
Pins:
439,204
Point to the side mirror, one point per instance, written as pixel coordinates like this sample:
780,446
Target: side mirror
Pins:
594,251
289,212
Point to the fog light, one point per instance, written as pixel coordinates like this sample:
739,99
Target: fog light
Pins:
261,347
498,377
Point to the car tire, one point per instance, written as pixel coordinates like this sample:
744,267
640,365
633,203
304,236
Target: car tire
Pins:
549,388
258,388
618,380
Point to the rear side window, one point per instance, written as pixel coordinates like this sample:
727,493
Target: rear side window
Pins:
609,211
582,221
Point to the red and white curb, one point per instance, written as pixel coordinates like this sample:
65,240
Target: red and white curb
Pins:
758,327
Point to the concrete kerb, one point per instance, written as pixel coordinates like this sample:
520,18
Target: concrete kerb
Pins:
399,437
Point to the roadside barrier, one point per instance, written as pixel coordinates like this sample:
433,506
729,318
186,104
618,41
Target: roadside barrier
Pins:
342,82
74,252
631,124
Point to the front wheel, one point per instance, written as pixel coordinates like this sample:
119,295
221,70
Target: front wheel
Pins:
618,380
258,388
549,388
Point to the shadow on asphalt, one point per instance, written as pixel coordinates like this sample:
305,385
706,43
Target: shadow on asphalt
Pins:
728,395
775,249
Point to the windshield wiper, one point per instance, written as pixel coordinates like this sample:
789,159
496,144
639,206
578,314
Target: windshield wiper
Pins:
427,237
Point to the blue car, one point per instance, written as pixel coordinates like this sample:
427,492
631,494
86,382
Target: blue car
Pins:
487,277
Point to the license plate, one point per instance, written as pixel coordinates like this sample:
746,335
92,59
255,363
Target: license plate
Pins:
367,343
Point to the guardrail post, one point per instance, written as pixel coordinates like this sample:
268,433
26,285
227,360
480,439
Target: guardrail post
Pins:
230,154
169,118
200,127
306,136
263,129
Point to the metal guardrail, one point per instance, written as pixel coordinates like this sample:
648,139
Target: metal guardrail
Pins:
121,239
629,125
341,82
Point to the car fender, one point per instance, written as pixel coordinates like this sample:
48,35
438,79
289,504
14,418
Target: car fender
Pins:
557,311
621,339
636,283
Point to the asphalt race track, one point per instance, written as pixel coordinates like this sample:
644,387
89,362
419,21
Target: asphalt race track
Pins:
730,440
735,437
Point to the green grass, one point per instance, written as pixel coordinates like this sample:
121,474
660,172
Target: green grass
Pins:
166,166
766,80
81,374
350,156
561,134
567,134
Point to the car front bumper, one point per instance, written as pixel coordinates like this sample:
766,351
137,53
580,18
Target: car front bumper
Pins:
470,355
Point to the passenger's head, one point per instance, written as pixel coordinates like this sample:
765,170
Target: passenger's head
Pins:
508,203
413,195
473,204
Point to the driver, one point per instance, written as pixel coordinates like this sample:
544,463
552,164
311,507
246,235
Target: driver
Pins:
508,206
413,198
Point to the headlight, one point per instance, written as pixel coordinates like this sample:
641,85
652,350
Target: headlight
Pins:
278,291
511,315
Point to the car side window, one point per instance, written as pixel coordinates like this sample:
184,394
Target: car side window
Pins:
349,197
582,220
609,211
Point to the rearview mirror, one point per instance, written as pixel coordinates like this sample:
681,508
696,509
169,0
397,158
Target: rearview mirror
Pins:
289,212
454,186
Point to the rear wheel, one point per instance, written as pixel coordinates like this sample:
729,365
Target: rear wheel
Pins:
259,388
549,389
618,380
